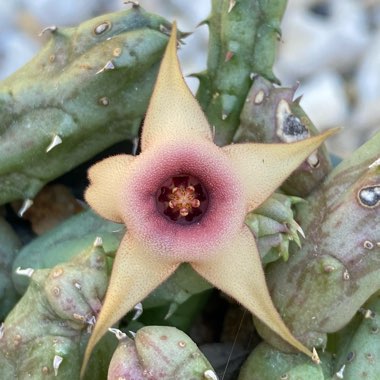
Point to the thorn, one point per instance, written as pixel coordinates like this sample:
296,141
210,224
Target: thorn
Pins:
299,229
294,237
135,146
229,55
56,140
374,164
26,205
118,333
98,242
297,100
213,132
231,5
313,160
252,76
172,308
339,374
315,357
139,311
56,363
224,116
2,329
132,334
203,22
295,87
367,313
210,375
165,30
108,66
28,272
91,323
135,4
51,28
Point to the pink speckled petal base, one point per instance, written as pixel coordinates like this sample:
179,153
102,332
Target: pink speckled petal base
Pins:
263,167
222,220
135,274
237,271
173,111
106,183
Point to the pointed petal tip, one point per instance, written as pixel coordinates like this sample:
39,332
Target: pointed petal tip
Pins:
272,163
241,259
171,92
172,44
319,139
134,270
332,131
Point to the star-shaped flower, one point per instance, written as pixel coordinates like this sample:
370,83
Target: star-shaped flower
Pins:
184,199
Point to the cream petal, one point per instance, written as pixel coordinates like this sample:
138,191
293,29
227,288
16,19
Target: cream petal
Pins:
106,183
237,271
173,111
263,167
135,274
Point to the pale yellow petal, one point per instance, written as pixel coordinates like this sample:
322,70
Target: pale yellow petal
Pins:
106,184
135,274
237,271
173,112
263,167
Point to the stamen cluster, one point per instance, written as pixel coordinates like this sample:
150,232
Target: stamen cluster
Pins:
182,199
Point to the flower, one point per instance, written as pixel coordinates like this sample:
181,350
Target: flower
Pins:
184,199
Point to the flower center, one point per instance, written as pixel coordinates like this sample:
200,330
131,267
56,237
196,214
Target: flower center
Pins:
182,199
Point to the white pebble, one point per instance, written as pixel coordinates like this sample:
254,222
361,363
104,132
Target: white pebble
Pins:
312,43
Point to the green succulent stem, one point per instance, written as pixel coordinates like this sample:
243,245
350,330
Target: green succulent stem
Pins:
243,40
87,89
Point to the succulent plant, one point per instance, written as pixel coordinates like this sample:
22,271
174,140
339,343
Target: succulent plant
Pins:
64,242
339,256
243,40
184,200
87,89
159,353
352,354
267,363
359,349
45,334
274,227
